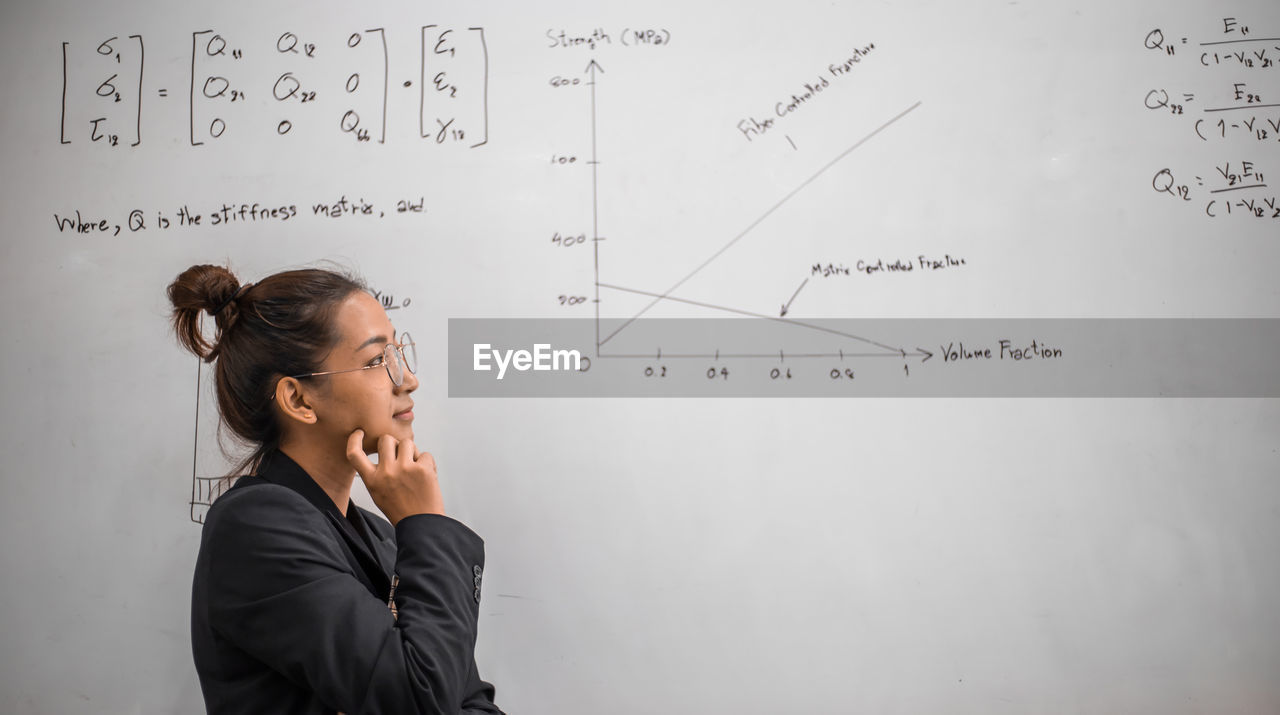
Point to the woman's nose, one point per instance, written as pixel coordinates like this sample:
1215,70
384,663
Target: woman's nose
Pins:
410,382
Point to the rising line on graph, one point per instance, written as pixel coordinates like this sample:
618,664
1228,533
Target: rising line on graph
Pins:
665,294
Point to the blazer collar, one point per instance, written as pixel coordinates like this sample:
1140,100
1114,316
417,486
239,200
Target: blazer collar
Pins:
278,468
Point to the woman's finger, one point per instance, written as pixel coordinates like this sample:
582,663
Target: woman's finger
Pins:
407,452
426,458
356,455
386,451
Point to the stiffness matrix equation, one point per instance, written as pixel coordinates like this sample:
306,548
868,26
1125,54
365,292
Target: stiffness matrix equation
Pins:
286,85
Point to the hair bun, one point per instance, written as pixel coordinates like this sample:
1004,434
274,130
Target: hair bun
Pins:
208,288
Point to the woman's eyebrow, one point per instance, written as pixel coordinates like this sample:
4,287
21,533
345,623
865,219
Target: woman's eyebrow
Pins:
375,340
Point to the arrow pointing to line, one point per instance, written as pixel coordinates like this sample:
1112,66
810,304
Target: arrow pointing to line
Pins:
786,306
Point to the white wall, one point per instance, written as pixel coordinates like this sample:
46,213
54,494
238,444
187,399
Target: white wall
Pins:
673,555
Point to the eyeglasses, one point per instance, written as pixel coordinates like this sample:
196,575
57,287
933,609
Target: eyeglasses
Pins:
395,358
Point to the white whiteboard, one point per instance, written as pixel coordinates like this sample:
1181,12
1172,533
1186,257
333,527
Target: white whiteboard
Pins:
671,555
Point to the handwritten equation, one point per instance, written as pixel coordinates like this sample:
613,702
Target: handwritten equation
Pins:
1224,91
1219,190
316,88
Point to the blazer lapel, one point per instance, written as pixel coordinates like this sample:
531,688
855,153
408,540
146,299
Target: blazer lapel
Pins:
384,549
278,468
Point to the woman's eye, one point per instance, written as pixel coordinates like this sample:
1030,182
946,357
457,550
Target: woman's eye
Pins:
375,361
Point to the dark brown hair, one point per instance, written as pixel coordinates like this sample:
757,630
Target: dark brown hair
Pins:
282,325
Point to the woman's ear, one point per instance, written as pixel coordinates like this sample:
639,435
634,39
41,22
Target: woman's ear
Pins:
294,401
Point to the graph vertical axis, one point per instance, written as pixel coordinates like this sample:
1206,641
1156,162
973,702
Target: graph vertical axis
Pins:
595,204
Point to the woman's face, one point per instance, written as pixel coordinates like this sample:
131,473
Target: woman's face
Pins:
363,399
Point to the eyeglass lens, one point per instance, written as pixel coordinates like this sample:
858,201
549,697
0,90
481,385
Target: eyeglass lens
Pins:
399,358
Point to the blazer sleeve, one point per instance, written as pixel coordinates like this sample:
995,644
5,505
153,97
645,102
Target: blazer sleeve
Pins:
480,700
282,590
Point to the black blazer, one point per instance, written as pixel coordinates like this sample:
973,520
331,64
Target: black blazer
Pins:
293,609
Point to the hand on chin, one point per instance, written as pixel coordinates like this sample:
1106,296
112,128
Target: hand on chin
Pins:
399,431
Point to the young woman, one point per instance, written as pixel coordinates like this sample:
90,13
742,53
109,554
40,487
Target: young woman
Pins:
303,602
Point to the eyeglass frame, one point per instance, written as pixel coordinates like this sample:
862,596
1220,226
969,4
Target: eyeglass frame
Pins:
406,340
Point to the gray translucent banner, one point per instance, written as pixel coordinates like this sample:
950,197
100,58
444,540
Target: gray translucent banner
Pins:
751,357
